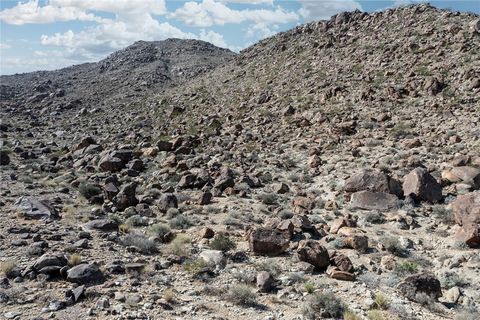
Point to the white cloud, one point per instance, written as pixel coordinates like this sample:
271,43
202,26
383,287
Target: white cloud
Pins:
261,30
213,37
319,10
4,46
211,12
31,12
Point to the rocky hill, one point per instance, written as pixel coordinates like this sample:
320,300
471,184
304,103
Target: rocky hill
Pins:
125,76
330,171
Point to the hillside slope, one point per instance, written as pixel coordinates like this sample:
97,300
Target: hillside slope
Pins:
124,76
330,171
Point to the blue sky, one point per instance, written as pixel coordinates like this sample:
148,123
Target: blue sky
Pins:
50,34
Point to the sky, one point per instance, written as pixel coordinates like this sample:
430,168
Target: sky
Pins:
51,34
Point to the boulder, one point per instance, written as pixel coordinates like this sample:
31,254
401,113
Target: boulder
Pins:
33,208
126,197
466,210
421,186
265,281
49,260
373,180
357,242
111,164
85,274
314,253
369,200
266,241
470,175
421,283
105,225
167,201
4,158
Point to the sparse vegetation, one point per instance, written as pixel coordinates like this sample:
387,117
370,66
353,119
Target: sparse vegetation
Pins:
324,303
74,259
7,268
392,244
381,301
88,190
140,242
159,230
241,294
222,242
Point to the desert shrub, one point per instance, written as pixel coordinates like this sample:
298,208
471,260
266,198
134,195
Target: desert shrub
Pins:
269,265
159,229
377,315
169,295
381,301
443,214
172,213
136,221
124,228
212,290
181,221
350,315
467,314
268,198
285,214
406,267
140,242
309,287
88,190
74,259
324,304
392,244
241,294
180,245
222,242
8,268
452,279
194,267
375,217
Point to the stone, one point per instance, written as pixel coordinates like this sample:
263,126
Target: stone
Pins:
421,186
314,161
85,274
266,241
466,211
163,145
126,197
421,283
313,252
105,225
206,233
4,158
388,262
167,201
357,242
342,262
49,260
369,200
470,175
205,198
281,188
334,273
33,208
374,181
111,164
265,281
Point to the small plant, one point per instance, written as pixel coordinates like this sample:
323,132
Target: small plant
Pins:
194,267
452,279
159,230
443,214
309,287
124,228
88,190
74,260
406,267
467,314
401,129
377,315
267,198
8,268
381,301
241,294
350,315
223,243
269,265
169,295
324,303
392,244
375,217
140,242
181,221
179,246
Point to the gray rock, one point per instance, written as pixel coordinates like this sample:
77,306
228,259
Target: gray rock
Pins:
374,200
105,225
421,186
33,208
85,274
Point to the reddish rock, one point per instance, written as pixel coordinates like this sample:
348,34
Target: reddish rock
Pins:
422,283
314,253
265,241
421,186
466,210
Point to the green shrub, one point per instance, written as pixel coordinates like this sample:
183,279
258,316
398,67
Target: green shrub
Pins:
241,294
222,242
268,198
140,242
325,304
392,244
381,301
88,190
181,221
159,230
406,267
